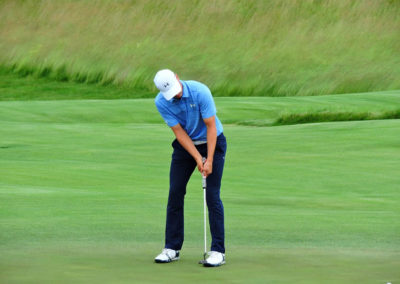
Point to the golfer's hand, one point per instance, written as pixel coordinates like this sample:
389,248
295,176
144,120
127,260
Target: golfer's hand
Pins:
200,165
207,168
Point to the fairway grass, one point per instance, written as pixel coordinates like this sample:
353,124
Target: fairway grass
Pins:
130,264
84,185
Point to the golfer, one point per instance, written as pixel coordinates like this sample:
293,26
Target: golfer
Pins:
188,108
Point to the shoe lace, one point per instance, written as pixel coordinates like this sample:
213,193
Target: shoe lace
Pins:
167,251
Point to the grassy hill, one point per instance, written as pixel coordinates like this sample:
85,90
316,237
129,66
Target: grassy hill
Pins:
246,48
252,111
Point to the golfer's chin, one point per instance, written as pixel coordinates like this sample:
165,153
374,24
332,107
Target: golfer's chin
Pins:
178,96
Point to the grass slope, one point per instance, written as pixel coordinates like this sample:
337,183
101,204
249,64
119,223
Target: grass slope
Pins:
240,48
83,192
254,111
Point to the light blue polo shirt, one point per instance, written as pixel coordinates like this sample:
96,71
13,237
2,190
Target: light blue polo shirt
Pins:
189,111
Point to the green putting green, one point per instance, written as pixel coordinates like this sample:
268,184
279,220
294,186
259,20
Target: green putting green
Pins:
84,185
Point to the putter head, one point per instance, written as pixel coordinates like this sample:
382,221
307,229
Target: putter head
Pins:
204,259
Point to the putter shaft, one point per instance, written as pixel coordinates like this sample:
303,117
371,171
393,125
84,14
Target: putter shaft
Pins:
204,184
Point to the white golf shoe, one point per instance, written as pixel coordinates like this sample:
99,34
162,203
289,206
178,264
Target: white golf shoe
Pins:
215,258
167,255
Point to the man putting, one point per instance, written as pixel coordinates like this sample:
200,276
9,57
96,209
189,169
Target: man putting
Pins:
188,108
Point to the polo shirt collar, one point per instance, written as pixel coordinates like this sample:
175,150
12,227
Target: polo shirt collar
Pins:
185,92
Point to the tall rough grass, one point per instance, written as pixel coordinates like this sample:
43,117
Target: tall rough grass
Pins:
312,117
237,47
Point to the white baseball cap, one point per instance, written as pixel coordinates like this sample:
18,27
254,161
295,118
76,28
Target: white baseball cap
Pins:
167,83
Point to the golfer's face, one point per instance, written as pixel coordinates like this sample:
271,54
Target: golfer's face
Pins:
179,95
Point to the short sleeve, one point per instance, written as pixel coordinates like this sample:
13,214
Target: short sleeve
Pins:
169,119
206,102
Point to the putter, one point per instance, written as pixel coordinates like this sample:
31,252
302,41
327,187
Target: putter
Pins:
204,184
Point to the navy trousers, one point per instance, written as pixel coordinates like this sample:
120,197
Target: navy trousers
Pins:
182,167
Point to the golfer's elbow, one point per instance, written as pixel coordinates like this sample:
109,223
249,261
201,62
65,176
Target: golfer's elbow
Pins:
179,132
210,123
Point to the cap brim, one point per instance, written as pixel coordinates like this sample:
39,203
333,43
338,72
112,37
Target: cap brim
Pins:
173,91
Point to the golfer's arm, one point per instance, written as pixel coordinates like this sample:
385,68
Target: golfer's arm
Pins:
187,143
211,137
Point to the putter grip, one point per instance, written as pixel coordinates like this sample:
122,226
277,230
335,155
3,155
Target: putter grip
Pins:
204,180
